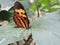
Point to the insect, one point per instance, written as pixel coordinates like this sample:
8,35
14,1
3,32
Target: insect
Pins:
20,16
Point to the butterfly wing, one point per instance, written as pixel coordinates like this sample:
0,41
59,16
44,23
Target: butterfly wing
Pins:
20,16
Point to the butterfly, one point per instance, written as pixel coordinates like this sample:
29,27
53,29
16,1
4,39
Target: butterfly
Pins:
20,16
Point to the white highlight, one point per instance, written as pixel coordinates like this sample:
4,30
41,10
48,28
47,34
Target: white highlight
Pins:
2,40
6,8
31,1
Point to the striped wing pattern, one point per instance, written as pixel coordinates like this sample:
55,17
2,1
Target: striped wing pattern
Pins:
20,16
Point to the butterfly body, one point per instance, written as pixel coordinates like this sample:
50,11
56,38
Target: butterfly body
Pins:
20,16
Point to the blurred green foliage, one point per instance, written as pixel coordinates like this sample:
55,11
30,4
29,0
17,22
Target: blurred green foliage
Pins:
45,5
5,15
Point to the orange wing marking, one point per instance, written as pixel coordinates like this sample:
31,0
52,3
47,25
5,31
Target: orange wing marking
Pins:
21,12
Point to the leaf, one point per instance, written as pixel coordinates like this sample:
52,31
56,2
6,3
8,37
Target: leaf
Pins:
8,34
47,32
7,3
45,5
54,9
26,4
53,2
6,6
30,13
33,7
